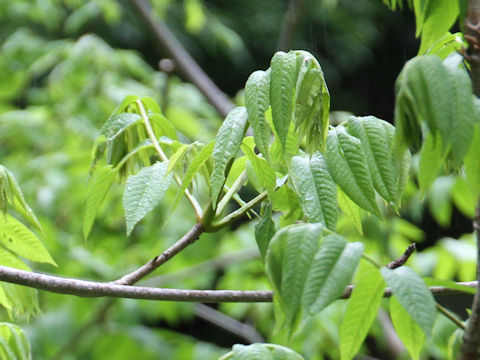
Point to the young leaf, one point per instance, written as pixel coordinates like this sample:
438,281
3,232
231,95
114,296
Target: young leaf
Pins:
431,158
97,189
413,294
227,144
263,171
177,157
257,101
282,90
264,231
331,271
198,161
361,312
437,19
13,343
126,102
376,137
117,124
347,164
350,209
316,189
312,102
408,331
18,238
307,277
10,191
144,191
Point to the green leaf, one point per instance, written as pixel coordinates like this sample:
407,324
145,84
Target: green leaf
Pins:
462,197
264,231
472,164
316,189
227,144
18,238
263,171
117,124
282,91
305,276
431,159
177,157
428,91
361,311
376,137
312,102
263,352
10,192
13,343
195,165
350,209
438,18
144,191
450,284
413,294
412,335
347,164
126,102
257,101
96,191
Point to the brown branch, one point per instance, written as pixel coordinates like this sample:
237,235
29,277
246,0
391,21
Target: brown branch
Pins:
85,288
471,339
186,64
289,24
402,259
189,238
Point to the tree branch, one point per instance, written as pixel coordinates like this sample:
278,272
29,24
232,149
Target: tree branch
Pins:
402,259
189,238
289,24
186,64
85,288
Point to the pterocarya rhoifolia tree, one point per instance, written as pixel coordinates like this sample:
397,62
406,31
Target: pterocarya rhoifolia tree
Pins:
307,174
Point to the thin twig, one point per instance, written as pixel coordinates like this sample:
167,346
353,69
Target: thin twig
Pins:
450,316
189,238
84,288
289,24
402,259
186,64
196,206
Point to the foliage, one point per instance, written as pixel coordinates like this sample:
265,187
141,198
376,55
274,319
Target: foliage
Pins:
294,174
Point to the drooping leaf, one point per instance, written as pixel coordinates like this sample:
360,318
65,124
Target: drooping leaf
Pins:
257,101
376,137
411,334
305,276
431,158
117,124
13,343
126,102
177,157
282,91
347,164
312,102
17,238
430,92
361,311
96,191
227,143
144,191
316,189
264,230
413,294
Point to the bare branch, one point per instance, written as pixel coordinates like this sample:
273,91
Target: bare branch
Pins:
289,24
186,64
189,238
84,288
402,259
